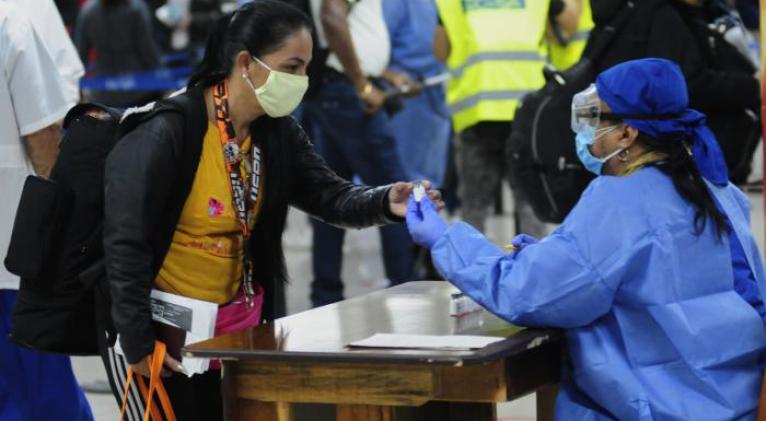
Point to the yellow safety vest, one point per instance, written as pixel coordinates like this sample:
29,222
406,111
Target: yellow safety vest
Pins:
565,56
496,57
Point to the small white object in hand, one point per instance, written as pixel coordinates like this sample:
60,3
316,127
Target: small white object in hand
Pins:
419,192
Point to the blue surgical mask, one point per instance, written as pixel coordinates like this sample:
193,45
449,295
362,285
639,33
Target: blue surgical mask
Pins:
584,140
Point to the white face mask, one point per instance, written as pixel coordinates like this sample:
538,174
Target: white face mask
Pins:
282,92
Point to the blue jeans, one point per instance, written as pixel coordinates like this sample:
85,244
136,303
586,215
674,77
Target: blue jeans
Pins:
353,143
34,385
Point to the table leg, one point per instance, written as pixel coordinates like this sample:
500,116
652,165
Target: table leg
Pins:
237,409
456,411
248,410
546,402
364,413
229,391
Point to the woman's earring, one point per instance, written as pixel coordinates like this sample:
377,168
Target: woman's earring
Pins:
623,155
688,149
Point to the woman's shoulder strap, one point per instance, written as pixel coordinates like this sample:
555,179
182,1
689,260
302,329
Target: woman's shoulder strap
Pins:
188,105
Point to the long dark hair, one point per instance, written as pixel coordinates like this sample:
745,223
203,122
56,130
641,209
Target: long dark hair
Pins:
680,167
259,27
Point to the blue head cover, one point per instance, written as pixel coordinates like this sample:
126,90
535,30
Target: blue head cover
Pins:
656,87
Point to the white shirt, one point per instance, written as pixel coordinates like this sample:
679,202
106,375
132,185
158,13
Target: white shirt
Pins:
47,21
368,33
31,99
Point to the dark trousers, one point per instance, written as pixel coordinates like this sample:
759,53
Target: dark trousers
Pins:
483,164
197,398
354,144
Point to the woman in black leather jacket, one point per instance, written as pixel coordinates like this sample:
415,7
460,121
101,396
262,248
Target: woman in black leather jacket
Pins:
196,200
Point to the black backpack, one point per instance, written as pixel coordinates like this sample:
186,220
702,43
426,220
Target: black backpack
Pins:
543,160
56,243
738,130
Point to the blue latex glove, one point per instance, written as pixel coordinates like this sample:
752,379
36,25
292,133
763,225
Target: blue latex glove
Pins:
424,222
521,241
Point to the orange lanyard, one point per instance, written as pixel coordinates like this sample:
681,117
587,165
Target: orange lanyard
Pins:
245,202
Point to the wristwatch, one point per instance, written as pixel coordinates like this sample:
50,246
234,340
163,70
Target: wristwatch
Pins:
367,89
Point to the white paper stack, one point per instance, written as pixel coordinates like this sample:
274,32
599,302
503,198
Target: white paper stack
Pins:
193,319
439,342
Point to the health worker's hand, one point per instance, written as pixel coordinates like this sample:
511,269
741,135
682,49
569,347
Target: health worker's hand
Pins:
424,222
400,193
521,241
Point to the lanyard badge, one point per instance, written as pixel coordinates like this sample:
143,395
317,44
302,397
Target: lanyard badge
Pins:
246,203
231,152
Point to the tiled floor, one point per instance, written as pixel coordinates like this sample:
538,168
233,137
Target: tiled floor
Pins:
363,272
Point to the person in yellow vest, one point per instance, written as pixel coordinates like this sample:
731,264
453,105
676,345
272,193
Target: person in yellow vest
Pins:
566,48
496,51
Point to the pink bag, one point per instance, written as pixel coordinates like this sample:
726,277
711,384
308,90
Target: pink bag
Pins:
236,316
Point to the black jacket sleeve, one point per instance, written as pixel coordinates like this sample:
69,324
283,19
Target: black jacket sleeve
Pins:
318,191
137,187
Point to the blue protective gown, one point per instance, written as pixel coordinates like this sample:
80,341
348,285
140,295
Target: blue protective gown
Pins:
655,328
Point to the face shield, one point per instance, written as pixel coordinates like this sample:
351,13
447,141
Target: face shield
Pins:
586,111
587,114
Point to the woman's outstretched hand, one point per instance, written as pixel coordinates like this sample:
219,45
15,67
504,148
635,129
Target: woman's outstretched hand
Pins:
400,193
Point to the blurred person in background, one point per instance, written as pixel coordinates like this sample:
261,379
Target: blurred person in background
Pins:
203,14
722,82
723,77
33,386
50,27
749,10
119,33
353,133
176,15
566,48
184,26
492,69
422,128
69,10
189,21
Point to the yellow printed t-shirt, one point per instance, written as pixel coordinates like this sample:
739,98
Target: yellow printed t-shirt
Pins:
205,256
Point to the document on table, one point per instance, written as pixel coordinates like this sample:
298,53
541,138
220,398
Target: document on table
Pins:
443,342
180,321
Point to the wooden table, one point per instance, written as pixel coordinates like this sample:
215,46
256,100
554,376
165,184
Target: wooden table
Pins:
304,358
